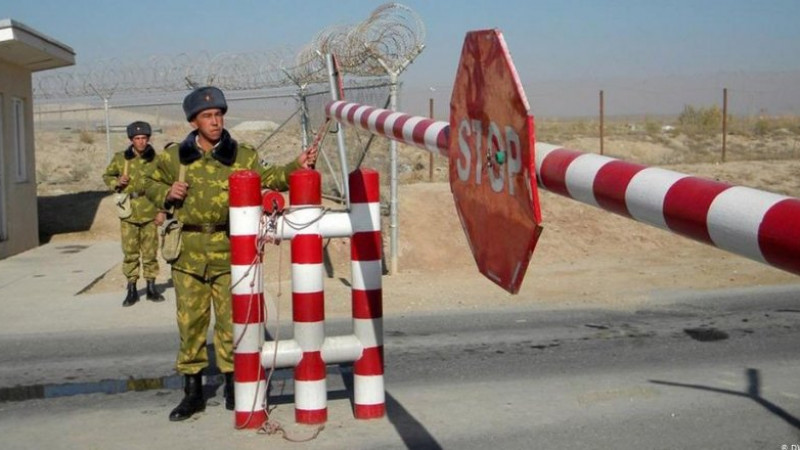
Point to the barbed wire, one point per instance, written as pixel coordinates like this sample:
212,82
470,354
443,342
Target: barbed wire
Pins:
391,36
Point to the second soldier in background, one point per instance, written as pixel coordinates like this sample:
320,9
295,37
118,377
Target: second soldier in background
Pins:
126,175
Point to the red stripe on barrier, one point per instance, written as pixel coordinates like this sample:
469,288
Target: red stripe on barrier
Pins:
367,304
250,420
610,184
365,117
418,133
311,415
248,368
380,121
370,411
244,188
686,206
364,186
370,363
397,127
307,249
351,113
365,246
243,250
248,308
553,172
308,307
310,368
779,236
304,187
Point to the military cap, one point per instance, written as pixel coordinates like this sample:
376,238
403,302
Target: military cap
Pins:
137,128
203,98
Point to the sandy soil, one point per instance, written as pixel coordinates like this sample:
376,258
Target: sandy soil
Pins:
585,257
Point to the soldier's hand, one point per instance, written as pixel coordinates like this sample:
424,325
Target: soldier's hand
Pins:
123,181
178,191
308,158
161,216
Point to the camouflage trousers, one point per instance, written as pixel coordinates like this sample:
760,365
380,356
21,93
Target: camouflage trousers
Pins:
139,241
194,297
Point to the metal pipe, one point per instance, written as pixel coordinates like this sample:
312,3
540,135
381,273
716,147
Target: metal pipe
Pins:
333,78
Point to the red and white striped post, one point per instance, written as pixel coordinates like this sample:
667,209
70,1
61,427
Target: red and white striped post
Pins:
247,293
759,225
367,293
308,298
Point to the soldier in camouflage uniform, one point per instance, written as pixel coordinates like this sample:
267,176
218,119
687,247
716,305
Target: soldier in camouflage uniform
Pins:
126,173
202,272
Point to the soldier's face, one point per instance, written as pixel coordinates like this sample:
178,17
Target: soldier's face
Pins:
140,142
209,124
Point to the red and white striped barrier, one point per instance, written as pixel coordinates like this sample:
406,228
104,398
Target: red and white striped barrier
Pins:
247,294
310,351
759,225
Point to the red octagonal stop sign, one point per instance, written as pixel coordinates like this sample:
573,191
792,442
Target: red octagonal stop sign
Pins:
491,160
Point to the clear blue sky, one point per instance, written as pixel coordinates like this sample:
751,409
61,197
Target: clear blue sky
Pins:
550,41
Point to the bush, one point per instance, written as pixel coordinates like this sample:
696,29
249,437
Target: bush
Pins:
701,121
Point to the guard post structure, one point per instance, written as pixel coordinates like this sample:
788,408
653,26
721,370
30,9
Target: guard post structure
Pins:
247,294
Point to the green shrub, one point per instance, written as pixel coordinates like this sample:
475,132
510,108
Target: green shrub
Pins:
702,121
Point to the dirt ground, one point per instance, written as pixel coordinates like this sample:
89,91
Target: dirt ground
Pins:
585,257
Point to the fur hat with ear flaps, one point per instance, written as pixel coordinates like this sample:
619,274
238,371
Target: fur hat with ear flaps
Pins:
137,128
203,98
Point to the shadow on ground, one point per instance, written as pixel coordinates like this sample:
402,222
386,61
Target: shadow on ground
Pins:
67,213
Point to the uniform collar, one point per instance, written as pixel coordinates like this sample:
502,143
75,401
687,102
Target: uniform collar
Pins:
148,154
224,151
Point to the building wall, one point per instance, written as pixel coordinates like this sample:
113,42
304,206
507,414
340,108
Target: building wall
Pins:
19,197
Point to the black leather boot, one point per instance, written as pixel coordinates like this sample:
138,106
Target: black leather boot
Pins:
193,401
230,398
152,294
133,295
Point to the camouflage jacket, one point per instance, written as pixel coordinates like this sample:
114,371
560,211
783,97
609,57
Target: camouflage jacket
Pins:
139,168
206,202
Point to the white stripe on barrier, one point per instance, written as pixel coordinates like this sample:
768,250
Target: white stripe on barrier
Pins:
359,112
241,280
366,275
307,278
646,192
369,331
248,337
341,349
289,354
580,177
249,391
311,395
365,216
432,135
346,109
735,216
388,124
309,335
368,389
408,128
372,121
335,225
244,220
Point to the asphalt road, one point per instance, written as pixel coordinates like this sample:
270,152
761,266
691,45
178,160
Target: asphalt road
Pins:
713,371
